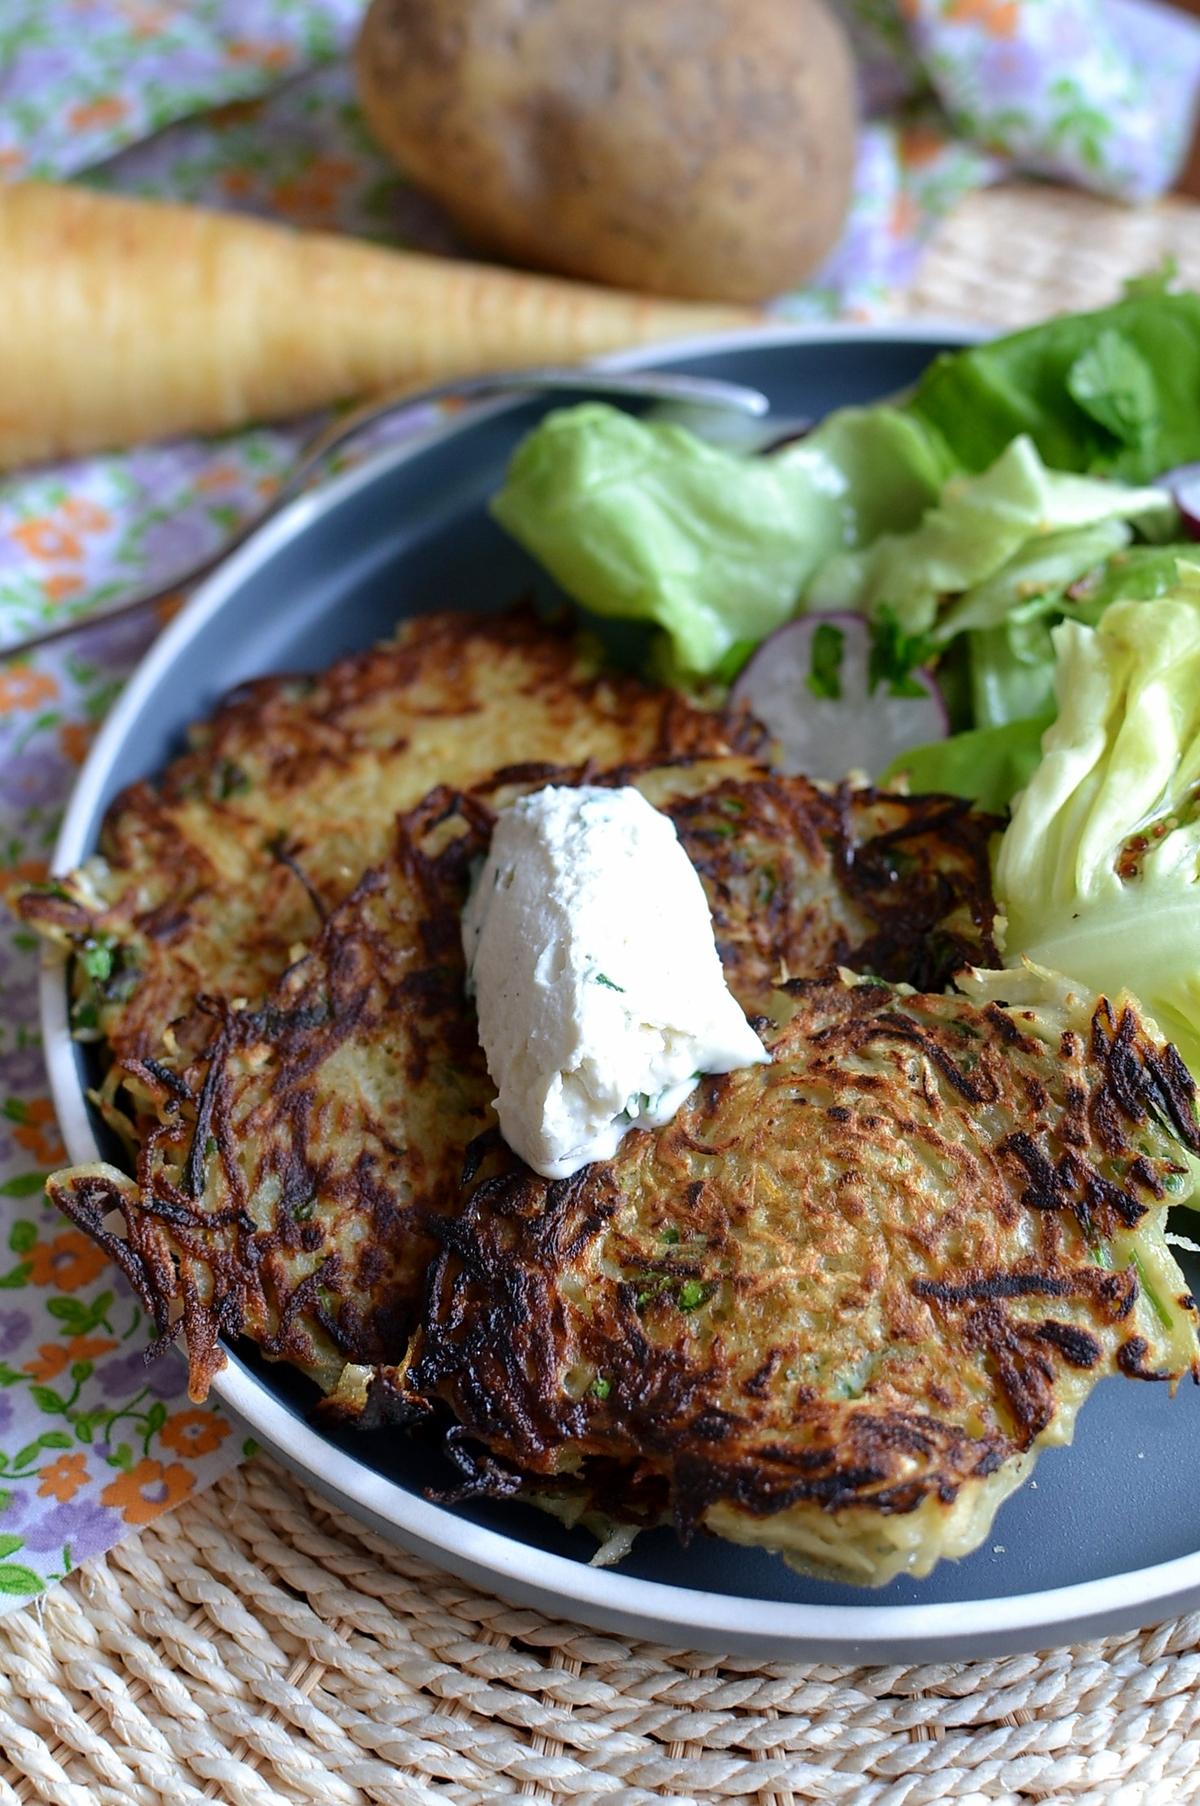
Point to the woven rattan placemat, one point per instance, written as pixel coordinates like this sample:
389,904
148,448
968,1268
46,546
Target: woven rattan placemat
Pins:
1013,254
255,1647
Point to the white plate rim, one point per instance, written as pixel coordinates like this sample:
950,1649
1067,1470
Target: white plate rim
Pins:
682,1617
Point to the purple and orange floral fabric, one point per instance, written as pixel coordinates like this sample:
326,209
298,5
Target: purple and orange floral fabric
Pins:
249,104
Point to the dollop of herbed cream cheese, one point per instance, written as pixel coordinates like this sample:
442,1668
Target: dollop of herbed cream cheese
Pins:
597,982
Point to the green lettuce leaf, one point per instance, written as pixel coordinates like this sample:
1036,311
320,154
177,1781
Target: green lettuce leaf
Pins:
1112,393
1076,575
1036,576
642,520
1012,668
971,538
989,765
1138,574
1098,873
1111,381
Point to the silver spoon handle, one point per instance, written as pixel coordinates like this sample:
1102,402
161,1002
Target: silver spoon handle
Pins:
701,391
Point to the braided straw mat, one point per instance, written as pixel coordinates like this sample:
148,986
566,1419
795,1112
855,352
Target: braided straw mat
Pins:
256,1646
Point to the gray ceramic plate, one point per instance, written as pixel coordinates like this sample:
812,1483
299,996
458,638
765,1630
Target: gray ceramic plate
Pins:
1107,1536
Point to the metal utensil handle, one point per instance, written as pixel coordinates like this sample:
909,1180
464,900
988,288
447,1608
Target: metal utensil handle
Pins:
702,391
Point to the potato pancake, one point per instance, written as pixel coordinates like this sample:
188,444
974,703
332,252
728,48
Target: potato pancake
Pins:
836,1306
209,880
296,1150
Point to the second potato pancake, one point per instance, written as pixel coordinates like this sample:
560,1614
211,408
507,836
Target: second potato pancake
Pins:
296,1151
838,1303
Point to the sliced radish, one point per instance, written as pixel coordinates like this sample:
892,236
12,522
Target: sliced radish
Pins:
808,685
1184,485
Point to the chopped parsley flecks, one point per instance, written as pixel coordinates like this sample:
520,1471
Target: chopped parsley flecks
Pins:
232,779
895,655
96,957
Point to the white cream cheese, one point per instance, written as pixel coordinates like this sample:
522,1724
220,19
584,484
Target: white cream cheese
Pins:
597,982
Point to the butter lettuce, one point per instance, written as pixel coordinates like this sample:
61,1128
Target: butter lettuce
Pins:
642,520
947,513
1008,619
1045,566
1138,574
1112,393
988,765
979,546
1010,655
1098,873
1010,652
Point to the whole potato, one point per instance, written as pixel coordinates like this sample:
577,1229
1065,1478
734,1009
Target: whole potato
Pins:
697,148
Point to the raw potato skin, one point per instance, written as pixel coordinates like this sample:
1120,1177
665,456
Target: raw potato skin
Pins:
698,148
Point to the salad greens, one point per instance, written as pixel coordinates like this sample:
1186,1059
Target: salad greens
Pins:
642,520
1006,494
986,764
1112,393
977,542
1138,575
1006,621
1098,872
969,508
1069,576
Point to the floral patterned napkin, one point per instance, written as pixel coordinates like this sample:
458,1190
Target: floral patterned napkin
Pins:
93,1443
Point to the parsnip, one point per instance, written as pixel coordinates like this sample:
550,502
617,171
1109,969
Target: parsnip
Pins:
127,320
